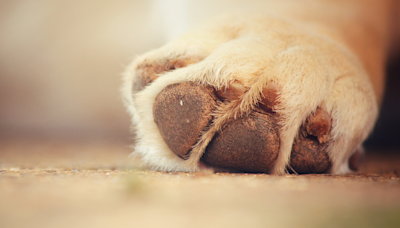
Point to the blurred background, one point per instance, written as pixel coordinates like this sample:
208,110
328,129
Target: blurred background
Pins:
61,64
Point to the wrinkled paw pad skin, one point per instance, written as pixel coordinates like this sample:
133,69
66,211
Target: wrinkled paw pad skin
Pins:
246,144
181,112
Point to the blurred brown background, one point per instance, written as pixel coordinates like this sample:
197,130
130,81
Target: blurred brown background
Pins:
61,61
386,135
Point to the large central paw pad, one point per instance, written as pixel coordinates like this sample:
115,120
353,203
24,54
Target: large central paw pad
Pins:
184,111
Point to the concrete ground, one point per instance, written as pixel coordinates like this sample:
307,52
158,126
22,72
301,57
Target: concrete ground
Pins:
58,183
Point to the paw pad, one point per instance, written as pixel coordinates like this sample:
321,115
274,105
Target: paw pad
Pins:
309,152
181,112
148,72
309,156
248,144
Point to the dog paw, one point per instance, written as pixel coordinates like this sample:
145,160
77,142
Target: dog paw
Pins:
253,103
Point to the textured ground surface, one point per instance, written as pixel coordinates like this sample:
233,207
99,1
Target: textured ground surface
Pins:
93,184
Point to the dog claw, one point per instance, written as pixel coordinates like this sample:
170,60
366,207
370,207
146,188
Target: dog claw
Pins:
319,125
269,97
232,92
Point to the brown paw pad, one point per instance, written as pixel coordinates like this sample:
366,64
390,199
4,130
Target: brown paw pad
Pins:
248,144
181,112
309,156
148,72
309,152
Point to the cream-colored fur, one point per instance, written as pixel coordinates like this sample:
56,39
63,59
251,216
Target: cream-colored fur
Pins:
328,54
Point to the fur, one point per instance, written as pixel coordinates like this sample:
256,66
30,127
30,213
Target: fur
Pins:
328,54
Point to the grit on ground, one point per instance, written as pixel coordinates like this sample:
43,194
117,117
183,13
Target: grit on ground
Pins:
62,183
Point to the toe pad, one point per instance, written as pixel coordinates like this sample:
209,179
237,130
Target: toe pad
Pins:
181,112
248,144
